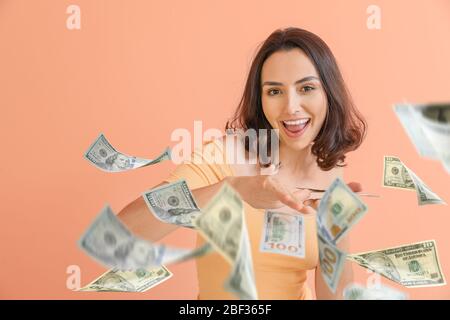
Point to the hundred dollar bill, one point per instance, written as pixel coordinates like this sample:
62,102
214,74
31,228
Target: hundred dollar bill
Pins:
397,175
109,242
331,261
139,280
222,224
283,233
428,127
356,291
103,155
412,265
424,194
242,280
339,210
173,203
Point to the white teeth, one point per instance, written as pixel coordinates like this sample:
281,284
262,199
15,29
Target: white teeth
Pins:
295,122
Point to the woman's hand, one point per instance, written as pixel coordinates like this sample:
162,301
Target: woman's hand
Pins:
267,192
354,186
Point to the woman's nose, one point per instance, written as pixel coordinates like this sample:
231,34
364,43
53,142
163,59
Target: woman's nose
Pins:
294,102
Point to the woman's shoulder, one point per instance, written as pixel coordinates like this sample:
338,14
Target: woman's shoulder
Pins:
212,151
223,145
229,150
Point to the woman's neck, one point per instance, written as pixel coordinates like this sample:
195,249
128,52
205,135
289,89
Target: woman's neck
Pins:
297,162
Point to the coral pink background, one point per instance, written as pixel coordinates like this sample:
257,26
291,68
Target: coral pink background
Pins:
137,70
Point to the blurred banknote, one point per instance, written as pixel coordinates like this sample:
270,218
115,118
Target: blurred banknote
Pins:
109,242
339,210
356,291
428,127
412,265
103,155
331,261
397,175
222,224
283,233
242,280
139,280
173,203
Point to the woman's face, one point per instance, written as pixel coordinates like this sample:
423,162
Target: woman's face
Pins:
293,98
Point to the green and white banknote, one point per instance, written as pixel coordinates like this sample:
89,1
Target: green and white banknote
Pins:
139,280
428,127
356,291
331,261
397,175
222,224
241,281
109,242
173,203
412,265
283,233
339,210
104,156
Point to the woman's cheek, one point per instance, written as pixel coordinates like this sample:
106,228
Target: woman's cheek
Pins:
270,117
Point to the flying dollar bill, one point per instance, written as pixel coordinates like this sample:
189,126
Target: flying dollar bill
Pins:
428,127
139,280
283,233
103,155
242,280
397,175
412,265
173,203
339,210
109,242
356,291
222,224
331,261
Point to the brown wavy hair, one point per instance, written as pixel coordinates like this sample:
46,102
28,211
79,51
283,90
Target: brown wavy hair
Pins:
344,127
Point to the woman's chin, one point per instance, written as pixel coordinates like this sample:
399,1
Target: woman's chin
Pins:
299,145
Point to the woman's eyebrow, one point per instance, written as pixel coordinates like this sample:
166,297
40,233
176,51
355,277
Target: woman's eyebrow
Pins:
273,83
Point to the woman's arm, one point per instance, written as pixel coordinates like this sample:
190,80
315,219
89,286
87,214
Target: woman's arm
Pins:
322,290
258,191
140,220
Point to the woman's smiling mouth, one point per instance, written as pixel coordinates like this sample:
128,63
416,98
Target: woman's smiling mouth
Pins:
294,128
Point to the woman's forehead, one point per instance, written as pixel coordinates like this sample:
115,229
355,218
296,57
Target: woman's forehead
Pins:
287,67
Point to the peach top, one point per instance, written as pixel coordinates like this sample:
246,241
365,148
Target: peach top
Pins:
277,276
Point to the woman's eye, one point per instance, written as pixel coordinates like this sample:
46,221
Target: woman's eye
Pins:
272,92
307,88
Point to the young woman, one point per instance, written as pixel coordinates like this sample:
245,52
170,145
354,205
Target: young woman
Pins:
294,85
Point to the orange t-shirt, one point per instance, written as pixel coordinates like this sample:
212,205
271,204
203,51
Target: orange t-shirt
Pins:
277,276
